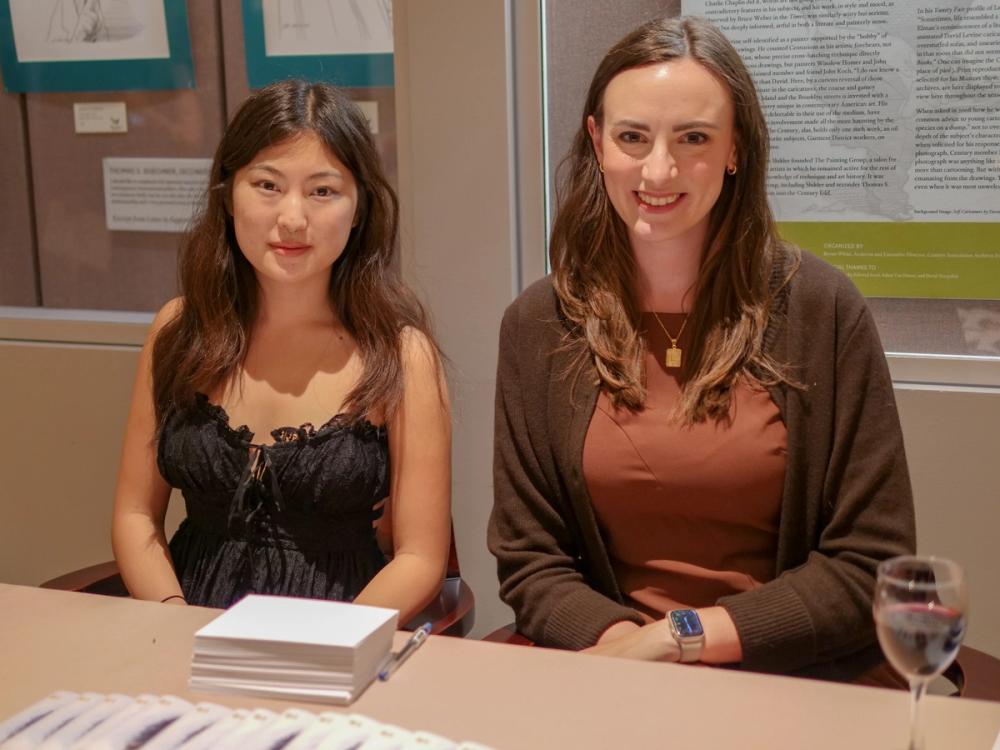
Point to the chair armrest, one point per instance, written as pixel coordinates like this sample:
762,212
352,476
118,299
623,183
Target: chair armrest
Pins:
451,612
102,578
980,674
508,634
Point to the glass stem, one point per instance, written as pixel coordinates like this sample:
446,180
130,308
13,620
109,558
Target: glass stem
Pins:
917,688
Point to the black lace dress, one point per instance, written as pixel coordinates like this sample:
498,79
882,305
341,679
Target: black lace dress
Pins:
293,517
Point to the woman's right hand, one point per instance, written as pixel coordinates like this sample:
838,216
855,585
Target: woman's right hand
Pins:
652,642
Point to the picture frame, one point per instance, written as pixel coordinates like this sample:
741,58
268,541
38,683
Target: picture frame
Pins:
94,45
344,42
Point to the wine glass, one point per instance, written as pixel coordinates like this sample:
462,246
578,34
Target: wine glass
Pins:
920,608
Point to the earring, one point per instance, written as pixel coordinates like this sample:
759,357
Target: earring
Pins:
600,167
731,170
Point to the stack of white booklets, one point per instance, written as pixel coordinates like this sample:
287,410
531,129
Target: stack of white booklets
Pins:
93,721
293,649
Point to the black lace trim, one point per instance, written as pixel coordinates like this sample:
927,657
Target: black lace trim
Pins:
363,428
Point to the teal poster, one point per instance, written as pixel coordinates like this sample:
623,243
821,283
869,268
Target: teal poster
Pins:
344,42
94,45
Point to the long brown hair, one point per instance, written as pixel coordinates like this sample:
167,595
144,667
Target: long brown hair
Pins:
202,347
595,271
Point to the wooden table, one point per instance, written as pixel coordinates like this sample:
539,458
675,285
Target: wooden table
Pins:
508,697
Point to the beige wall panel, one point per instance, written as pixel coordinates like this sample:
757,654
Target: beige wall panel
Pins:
83,265
64,410
952,446
17,264
451,84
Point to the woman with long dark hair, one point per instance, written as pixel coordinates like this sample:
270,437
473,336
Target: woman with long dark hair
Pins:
698,456
294,385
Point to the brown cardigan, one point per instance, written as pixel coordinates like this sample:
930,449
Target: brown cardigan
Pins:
846,504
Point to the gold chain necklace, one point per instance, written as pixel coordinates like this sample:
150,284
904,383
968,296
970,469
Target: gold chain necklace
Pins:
673,355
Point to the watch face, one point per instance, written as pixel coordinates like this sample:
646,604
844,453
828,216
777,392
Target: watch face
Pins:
686,623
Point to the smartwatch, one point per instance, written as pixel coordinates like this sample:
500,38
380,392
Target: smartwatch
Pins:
685,627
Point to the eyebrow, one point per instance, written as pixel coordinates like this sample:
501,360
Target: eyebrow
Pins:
634,124
316,175
695,124
692,125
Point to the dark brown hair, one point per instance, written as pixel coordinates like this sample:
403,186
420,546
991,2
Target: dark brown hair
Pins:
202,347
595,270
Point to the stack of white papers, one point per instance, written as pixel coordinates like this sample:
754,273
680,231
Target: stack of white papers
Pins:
293,649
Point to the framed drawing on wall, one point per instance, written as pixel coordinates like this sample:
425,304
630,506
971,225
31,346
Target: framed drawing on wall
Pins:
95,45
344,42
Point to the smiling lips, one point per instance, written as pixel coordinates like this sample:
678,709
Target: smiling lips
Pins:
657,201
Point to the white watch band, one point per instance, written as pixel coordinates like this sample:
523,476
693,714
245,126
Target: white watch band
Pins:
690,648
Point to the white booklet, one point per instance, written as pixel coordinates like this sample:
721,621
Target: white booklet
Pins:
281,647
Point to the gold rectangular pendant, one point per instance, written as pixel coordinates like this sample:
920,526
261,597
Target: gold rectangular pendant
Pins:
673,358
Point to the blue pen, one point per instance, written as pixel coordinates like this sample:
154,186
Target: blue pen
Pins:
418,637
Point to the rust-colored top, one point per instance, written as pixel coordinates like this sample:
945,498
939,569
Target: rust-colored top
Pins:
690,514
